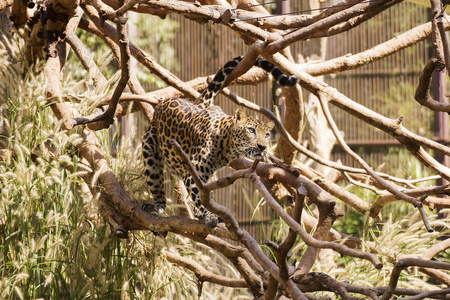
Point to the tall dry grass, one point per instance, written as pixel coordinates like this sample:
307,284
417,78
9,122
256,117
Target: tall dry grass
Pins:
53,242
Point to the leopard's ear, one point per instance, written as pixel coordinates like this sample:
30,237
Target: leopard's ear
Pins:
239,115
270,125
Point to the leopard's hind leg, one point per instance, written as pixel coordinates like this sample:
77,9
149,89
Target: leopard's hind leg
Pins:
199,210
154,168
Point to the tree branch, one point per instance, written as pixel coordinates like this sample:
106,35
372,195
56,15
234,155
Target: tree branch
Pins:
407,262
350,62
422,94
109,114
233,226
388,186
201,273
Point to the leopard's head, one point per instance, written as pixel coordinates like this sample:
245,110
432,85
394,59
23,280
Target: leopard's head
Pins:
251,136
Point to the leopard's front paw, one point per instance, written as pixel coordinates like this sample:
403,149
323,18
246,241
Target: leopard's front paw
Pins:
156,208
212,219
159,207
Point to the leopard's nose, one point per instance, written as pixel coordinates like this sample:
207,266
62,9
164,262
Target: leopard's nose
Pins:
261,148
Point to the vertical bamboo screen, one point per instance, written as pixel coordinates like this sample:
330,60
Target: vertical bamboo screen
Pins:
386,86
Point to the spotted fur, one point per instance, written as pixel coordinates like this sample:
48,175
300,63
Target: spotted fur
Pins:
210,138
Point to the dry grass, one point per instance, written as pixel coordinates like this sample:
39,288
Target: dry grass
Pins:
53,243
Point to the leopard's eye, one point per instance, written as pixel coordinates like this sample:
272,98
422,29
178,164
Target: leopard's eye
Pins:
267,135
251,130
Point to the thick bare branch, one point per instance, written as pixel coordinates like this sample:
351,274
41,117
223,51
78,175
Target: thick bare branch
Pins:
445,44
109,13
305,32
326,282
418,192
291,21
428,294
355,21
349,62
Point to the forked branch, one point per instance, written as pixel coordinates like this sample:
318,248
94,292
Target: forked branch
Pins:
232,224
109,114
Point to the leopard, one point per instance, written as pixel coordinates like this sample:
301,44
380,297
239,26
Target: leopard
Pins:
210,138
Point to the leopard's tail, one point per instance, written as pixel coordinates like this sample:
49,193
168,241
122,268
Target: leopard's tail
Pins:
216,85
279,76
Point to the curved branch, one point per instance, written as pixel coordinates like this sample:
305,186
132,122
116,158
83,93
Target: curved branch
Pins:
306,32
428,294
327,283
355,21
418,192
436,249
407,262
201,273
422,94
284,22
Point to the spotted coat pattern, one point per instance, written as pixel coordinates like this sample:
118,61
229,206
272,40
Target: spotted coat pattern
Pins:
210,138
